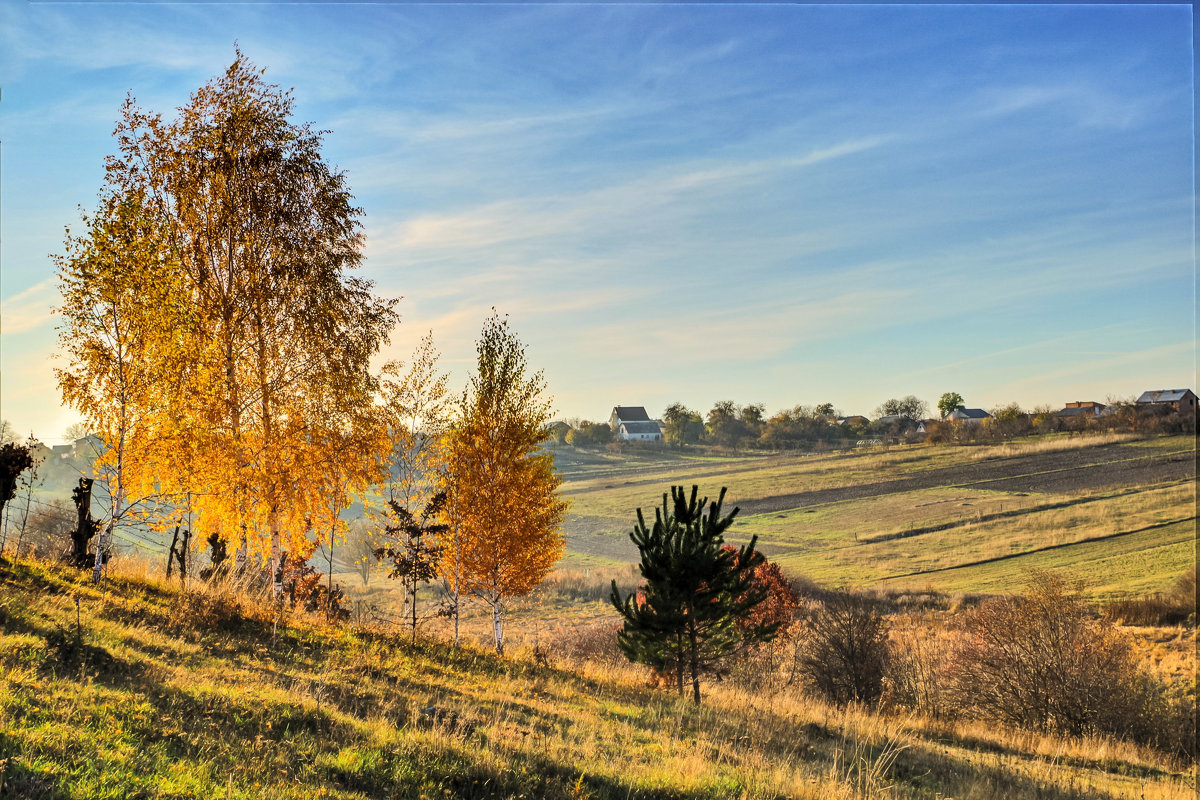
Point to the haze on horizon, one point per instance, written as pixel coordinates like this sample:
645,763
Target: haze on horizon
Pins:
781,204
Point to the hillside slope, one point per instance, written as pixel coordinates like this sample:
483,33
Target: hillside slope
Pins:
926,516
138,690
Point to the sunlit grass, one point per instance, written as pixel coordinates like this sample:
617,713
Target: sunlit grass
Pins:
887,535
159,694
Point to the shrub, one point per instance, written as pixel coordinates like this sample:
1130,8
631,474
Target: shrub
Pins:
843,649
304,586
1152,609
916,668
596,643
779,604
1041,661
216,606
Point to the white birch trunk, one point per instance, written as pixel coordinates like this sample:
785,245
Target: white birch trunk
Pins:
276,554
118,502
498,625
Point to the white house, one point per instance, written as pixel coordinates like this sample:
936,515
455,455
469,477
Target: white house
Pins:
633,424
968,416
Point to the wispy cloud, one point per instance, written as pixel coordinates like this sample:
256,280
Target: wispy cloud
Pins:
1085,103
29,309
614,208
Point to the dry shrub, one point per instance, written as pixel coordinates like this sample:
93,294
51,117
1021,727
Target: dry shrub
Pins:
305,586
843,649
596,643
1152,610
1177,607
916,669
218,605
1040,661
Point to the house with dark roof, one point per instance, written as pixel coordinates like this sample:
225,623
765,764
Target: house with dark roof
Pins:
633,424
1081,408
1182,400
968,416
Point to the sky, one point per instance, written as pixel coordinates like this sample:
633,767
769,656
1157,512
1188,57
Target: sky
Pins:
765,203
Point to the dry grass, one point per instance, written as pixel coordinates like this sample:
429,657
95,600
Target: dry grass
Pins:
1053,444
885,536
161,700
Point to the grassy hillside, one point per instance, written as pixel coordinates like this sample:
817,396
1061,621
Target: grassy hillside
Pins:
937,517
138,690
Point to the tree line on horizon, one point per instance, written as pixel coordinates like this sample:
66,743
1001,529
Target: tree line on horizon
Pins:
734,426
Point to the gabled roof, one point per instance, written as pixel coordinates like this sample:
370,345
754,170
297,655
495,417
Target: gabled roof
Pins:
1164,395
641,427
969,413
631,413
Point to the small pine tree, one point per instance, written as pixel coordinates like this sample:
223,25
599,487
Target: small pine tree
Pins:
415,558
685,617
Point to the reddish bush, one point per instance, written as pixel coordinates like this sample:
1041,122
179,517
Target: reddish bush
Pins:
781,602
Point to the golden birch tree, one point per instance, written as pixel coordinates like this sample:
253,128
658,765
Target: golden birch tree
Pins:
277,413
505,513
124,334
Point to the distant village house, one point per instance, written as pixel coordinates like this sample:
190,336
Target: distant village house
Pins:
1081,408
1181,400
968,416
633,424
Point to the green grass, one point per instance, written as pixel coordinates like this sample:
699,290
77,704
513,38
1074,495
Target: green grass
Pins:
154,693
951,523
1145,562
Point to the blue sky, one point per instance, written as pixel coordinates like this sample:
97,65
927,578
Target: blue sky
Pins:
764,203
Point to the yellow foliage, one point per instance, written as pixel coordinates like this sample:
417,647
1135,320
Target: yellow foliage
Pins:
505,512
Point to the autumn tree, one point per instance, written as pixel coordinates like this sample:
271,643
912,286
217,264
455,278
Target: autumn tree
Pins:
908,407
416,413
779,603
589,434
722,425
505,514
357,553
801,425
123,334
273,416
681,425
685,617
1008,421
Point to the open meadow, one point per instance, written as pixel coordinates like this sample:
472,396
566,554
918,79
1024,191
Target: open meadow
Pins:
1118,510
138,689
